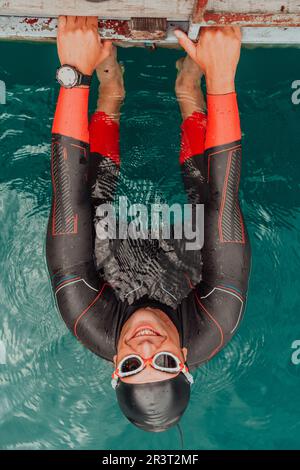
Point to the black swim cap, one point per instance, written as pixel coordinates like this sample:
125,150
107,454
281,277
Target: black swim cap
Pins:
154,406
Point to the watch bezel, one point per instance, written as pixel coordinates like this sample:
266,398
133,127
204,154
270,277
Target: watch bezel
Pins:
76,80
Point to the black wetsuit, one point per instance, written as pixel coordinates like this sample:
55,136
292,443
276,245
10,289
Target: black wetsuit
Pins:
208,317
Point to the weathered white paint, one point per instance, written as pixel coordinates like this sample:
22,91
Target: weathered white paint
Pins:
247,13
120,9
45,29
124,9
271,36
253,6
12,27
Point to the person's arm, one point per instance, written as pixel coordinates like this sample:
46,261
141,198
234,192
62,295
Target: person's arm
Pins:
220,297
79,292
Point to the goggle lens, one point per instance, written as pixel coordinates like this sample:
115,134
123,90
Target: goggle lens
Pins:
166,361
130,365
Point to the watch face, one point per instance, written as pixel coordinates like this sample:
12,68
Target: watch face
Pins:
67,76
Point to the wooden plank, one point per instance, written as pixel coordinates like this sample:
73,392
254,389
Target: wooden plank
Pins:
250,19
246,13
199,9
271,36
45,29
113,9
125,9
12,27
201,12
254,6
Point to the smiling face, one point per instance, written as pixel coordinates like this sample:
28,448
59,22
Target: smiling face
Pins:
147,332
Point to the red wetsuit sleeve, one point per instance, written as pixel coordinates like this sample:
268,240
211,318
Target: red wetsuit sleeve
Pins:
105,136
71,116
193,132
223,125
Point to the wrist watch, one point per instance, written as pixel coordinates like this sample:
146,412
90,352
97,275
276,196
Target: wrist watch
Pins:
69,77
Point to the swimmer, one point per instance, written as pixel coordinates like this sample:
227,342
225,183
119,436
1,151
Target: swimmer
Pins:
151,346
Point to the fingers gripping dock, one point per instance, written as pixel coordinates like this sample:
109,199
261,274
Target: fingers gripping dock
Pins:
148,22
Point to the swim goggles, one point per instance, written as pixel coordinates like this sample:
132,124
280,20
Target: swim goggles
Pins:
163,361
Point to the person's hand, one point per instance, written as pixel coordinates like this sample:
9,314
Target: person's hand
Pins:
79,43
217,53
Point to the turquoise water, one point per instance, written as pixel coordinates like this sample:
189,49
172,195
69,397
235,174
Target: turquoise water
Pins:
54,394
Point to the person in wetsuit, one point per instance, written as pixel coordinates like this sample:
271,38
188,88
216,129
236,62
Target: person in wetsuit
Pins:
151,345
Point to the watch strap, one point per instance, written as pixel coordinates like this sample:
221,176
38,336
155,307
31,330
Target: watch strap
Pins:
84,79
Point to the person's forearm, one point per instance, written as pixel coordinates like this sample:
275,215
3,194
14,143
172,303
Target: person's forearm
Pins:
223,121
71,115
69,241
226,241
